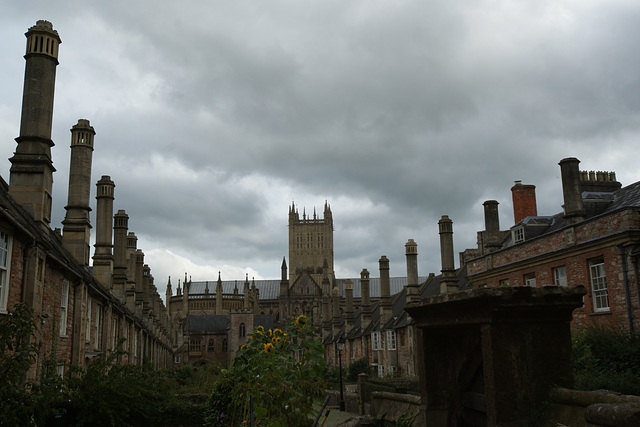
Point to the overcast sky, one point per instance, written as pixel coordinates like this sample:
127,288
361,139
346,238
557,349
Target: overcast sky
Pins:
213,116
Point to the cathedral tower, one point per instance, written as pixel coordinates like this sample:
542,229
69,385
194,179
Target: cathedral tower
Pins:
31,174
310,244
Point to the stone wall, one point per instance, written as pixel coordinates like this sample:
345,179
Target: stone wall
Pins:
599,408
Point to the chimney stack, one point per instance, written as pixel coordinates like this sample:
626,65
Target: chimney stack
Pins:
365,310
103,257
448,284
571,190
491,226
31,174
385,290
348,312
76,224
411,252
524,201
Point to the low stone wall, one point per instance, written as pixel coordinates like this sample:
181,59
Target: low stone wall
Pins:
350,400
601,408
392,406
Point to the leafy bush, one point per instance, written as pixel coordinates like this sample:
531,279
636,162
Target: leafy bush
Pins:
607,358
22,402
360,366
280,373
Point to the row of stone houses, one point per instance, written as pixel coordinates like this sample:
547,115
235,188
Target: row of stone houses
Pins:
88,310
594,242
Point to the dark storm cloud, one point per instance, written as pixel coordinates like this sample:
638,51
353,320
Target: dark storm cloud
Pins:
213,116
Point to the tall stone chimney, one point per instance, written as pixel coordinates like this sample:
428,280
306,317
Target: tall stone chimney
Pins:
571,190
385,291
411,252
491,226
31,174
524,201
103,258
365,309
348,302
326,301
120,228
448,284
335,299
76,229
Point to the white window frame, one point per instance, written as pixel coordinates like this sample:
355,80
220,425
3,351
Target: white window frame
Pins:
560,276
376,341
517,234
380,371
64,307
391,340
530,280
598,279
6,246
60,369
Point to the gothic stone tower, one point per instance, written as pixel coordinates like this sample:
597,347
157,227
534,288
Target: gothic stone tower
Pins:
310,244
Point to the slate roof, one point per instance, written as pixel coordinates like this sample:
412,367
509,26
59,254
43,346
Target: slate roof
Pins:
270,289
208,323
596,204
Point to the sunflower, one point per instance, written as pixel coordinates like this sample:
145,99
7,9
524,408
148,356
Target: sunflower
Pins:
243,347
268,347
260,329
276,340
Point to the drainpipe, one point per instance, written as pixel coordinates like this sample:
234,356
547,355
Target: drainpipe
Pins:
627,293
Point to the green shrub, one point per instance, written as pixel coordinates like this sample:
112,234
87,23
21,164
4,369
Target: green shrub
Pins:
607,358
360,366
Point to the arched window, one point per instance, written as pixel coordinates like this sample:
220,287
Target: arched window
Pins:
211,347
242,332
224,345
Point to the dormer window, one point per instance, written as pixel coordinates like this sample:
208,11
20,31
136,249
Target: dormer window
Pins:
517,234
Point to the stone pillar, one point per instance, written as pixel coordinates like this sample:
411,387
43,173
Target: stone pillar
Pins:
448,283
413,289
219,295
103,257
31,175
283,301
245,291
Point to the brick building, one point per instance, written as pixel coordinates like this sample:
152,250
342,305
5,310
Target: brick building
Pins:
86,312
594,242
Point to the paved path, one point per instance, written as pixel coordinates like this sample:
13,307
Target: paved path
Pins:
336,417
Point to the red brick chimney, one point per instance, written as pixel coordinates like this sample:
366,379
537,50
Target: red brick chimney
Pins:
524,201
